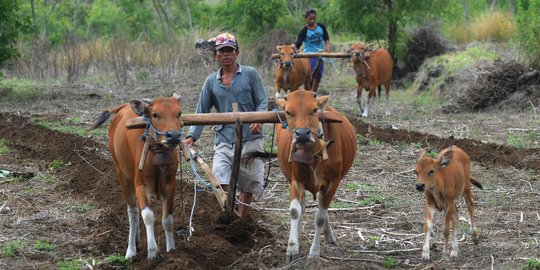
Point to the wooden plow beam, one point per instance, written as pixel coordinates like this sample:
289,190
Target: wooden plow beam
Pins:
199,119
322,54
226,202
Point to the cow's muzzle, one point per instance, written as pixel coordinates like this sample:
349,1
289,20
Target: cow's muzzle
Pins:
287,65
172,137
420,187
303,137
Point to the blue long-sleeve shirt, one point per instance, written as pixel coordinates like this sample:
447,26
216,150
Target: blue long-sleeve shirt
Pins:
246,89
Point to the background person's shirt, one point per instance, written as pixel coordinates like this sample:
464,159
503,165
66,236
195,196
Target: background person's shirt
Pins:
313,39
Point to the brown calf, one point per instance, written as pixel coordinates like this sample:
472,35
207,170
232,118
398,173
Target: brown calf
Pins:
372,68
443,181
157,178
291,72
312,162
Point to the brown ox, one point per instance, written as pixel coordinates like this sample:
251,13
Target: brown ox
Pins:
291,72
157,179
372,68
443,181
301,154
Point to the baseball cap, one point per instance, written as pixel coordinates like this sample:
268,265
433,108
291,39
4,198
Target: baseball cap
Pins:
226,40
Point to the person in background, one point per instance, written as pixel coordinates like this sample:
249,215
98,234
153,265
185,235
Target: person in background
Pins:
233,83
315,39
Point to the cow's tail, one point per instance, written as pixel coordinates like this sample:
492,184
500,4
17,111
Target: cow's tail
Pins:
105,115
249,157
476,183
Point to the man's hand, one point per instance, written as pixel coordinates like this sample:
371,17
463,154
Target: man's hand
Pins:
255,128
188,141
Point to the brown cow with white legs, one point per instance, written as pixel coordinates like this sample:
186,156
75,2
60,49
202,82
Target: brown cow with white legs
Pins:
373,68
153,179
312,160
443,181
291,72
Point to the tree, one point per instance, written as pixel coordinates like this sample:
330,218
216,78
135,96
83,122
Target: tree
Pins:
529,30
12,24
383,20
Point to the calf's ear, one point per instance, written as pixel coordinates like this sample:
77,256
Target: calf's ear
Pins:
422,153
446,159
281,102
137,106
322,101
177,96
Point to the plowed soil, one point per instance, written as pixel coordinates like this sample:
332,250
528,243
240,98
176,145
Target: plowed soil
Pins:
377,215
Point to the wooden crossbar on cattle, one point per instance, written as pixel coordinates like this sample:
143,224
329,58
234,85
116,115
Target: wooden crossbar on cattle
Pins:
156,177
443,181
373,68
313,160
291,72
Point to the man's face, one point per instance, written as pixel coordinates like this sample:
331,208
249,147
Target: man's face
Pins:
311,19
226,56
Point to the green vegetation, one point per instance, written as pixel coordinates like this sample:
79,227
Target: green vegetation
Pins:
12,248
528,34
4,148
390,262
352,186
527,139
44,245
21,89
70,126
56,164
532,264
373,199
119,260
73,264
339,204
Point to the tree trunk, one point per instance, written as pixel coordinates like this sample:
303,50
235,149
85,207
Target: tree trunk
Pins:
188,12
512,6
465,11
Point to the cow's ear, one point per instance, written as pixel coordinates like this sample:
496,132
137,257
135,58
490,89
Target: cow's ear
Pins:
446,158
177,96
281,102
137,106
278,48
322,101
367,55
423,153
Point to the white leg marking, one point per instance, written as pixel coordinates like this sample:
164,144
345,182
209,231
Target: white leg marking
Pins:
388,111
429,223
455,230
148,218
293,248
168,228
320,219
369,102
133,215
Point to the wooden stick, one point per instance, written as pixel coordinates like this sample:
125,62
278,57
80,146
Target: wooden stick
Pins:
322,54
236,161
217,190
198,119
144,154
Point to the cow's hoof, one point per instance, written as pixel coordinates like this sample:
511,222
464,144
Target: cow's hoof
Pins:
291,258
154,256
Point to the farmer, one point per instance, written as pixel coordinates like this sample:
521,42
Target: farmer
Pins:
315,39
233,83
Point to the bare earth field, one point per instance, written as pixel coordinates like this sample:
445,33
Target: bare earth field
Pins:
377,215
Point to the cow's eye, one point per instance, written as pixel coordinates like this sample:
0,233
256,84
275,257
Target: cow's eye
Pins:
287,113
179,114
314,112
154,115
431,172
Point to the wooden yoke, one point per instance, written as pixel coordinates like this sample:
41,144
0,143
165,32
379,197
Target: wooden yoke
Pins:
313,55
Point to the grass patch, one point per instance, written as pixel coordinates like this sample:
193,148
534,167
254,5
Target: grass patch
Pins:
532,264
12,248
352,186
119,261
523,140
67,126
56,164
44,245
338,204
81,208
373,199
22,89
4,149
73,264
390,262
